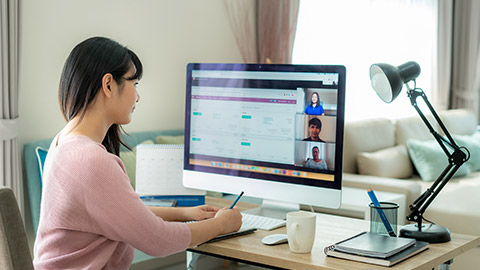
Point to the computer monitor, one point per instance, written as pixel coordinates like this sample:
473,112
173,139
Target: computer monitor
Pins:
254,128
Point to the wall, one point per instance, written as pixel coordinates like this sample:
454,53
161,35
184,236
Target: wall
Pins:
165,34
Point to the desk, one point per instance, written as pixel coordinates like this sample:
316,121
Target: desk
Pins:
330,229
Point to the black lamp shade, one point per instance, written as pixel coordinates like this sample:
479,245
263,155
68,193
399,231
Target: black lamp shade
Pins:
388,80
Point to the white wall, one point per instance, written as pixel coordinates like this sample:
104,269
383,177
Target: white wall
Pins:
165,34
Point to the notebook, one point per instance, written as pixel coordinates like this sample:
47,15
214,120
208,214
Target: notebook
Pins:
412,250
159,174
372,245
240,232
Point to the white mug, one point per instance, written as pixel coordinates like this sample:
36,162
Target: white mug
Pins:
301,231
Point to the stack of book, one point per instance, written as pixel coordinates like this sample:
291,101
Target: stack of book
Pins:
376,248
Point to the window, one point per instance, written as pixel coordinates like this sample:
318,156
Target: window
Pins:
358,33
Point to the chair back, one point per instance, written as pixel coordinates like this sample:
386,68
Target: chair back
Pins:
14,248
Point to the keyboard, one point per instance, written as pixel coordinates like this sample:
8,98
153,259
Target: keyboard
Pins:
261,222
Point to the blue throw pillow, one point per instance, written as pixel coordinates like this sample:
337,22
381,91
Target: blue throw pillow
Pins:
430,160
41,154
472,143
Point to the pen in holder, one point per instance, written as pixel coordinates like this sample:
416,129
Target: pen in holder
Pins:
391,213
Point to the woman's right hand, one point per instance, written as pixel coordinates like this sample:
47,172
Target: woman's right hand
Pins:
231,219
225,221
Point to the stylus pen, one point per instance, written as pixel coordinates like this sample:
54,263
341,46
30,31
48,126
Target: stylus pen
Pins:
380,212
236,200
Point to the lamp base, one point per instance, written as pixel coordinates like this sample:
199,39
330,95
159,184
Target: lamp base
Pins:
430,233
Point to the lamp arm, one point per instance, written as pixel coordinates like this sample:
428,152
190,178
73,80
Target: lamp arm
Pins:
413,94
455,159
420,205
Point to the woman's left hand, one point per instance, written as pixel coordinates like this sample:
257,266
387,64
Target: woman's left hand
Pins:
200,212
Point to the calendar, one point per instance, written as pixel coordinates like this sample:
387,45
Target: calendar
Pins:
159,171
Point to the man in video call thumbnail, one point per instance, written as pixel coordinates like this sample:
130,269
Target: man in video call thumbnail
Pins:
314,127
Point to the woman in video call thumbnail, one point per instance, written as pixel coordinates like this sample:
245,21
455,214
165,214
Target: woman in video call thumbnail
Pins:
314,107
316,162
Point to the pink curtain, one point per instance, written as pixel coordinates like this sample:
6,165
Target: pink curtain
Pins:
264,29
276,26
243,21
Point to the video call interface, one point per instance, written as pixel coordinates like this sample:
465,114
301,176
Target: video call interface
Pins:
277,125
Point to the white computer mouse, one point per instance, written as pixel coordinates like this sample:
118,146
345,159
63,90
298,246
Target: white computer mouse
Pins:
275,239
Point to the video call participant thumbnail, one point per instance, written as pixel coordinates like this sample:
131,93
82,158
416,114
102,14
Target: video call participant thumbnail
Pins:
316,162
314,128
314,107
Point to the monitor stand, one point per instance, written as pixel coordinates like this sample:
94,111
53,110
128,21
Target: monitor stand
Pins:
274,209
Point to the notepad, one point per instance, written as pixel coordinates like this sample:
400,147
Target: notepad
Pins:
412,250
373,245
240,232
159,171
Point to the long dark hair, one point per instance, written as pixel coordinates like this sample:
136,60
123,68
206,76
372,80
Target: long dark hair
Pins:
318,99
82,77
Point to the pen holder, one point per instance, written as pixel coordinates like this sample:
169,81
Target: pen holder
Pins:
391,212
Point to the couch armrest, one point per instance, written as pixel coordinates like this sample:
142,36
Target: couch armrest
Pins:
411,189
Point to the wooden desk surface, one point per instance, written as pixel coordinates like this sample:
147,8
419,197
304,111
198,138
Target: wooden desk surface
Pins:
330,229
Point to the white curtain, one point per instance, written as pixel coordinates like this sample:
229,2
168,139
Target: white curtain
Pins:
10,164
465,85
443,62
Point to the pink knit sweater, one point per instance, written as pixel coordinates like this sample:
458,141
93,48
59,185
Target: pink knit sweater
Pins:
91,218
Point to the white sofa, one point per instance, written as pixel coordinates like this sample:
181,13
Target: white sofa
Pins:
376,155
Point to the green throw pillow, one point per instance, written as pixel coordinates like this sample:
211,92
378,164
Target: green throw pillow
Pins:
430,160
170,139
129,159
472,143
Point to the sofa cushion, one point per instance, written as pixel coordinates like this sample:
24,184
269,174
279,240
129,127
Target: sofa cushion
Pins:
460,121
456,206
134,138
365,136
410,188
413,127
430,160
390,162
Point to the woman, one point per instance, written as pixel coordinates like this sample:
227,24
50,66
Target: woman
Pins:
314,108
90,216
316,162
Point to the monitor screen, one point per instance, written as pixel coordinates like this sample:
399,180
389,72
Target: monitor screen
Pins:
272,131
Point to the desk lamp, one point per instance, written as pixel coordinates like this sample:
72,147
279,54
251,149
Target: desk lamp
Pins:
388,81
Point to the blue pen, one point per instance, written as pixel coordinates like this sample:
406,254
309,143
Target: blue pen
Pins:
236,200
380,212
